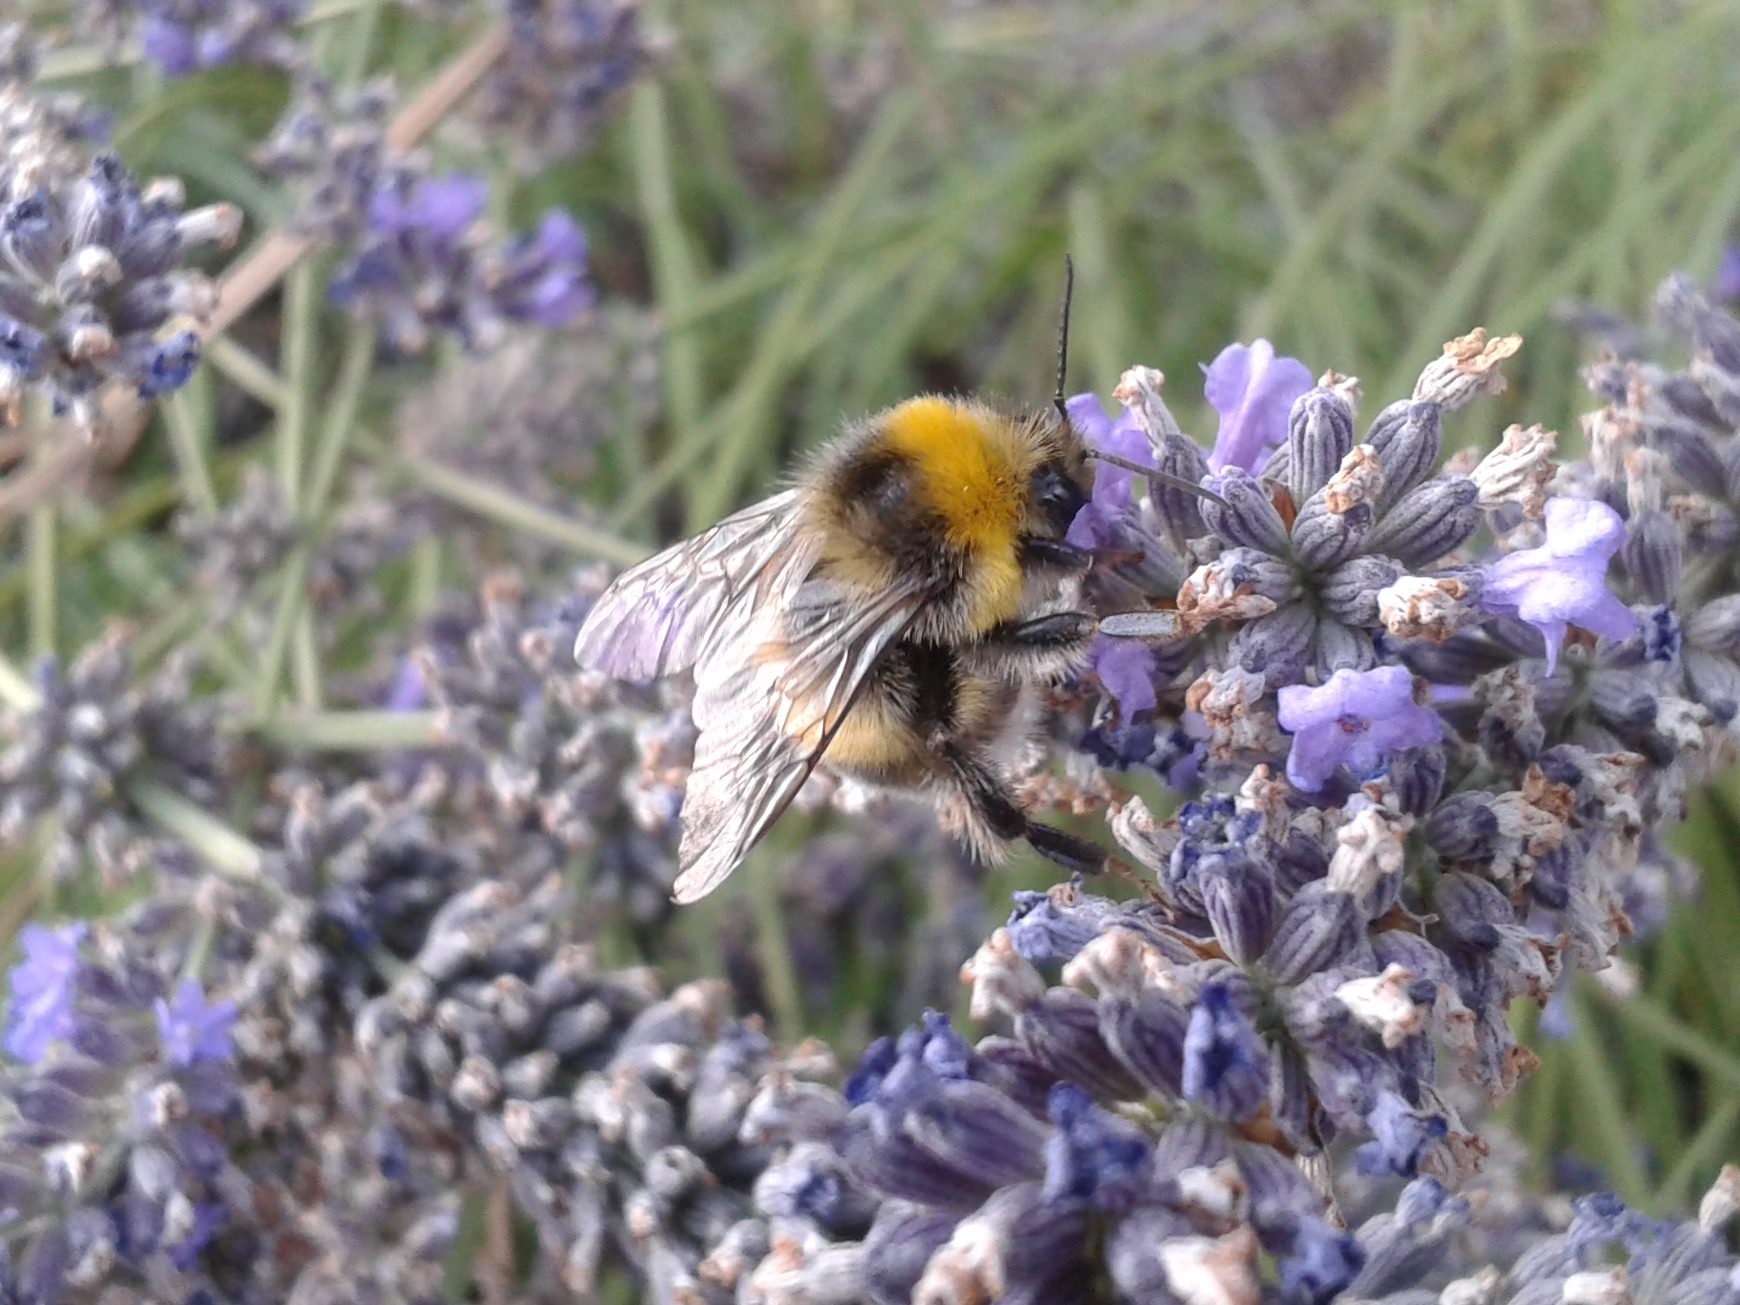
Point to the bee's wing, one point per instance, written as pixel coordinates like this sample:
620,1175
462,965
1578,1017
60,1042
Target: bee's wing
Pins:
658,617
767,704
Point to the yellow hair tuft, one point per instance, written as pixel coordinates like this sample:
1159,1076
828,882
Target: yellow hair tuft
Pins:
974,467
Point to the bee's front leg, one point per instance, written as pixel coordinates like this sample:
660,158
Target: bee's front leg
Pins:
1054,555
1039,647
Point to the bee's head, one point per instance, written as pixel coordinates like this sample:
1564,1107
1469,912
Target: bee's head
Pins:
1060,482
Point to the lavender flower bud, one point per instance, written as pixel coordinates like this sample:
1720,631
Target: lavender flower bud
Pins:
1318,929
1337,647
1146,1033
1463,829
1276,645
1407,440
1467,368
1417,778
1225,1068
975,1130
1429,522
1133,1252
1177,508
1322,538
1063,1033
899,1245
1221,589
1689,452
1715,626
1714,681
1248,518
1094,1156
1319,436
1240,903
1350,591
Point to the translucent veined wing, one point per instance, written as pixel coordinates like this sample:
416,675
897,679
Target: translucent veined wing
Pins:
659,617
767,704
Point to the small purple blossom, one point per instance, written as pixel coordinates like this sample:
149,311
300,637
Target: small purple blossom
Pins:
43,986
193,1029
1357,719
1563,582
1224,1069
1400,1137
1320,1262
435,210
1094,525
1093,1156
409,691
541,278
1126,671
1253,391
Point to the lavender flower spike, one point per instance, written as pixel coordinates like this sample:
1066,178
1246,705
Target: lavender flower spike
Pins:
1253,391
1564,582
1357,719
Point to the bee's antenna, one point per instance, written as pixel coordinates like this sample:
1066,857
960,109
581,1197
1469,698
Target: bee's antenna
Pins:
1063,340
1163,477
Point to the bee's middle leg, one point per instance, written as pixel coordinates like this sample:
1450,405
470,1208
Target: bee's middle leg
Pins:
995,818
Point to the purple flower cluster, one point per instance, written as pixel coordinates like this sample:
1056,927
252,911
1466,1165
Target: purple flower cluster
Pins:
185,36
1029,1168
415,253
1428,768
418,266
66,760
567,63
93,290
594,768
114,1151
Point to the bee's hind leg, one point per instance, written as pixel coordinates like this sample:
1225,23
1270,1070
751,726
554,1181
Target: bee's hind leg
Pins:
1074,854
993,818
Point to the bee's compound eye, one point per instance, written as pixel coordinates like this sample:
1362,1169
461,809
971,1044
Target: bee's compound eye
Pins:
1057,495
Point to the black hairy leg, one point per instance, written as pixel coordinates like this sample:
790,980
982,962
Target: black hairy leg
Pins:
994,818
1039,647
1074,854
1054,555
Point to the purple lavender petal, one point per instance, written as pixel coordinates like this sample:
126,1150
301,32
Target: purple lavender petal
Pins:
1726,284
1563,582
1093,525
447,206
1126,670
1253,391
191,1029
43,987
1356,719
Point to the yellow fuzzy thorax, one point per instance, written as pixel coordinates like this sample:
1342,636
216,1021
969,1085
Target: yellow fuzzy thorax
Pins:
974,466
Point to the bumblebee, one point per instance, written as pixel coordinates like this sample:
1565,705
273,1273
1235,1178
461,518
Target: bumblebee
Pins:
891,615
